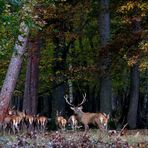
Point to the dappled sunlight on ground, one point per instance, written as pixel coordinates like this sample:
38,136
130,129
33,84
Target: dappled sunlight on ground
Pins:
67,139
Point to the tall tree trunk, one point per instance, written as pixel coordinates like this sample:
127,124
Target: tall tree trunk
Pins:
58,102
134,96
31,85
70,87
134,79
105,60
13,70
27,98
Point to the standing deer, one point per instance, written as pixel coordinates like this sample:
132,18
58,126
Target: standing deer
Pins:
16,120
60,121
10,121
73,122
29,119
86,118
41,122
22,116
7,123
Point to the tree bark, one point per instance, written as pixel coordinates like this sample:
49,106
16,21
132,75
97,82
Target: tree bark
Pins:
13,70
31,85
105,60
70,87
58,87
134,96
134,79
27,98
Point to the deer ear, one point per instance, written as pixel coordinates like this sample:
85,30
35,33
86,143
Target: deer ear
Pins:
72,108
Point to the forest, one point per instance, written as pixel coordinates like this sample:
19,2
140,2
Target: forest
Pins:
65,64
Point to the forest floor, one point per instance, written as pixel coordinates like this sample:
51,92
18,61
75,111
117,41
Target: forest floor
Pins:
75,139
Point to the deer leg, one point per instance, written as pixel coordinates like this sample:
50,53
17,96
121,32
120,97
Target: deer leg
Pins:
60,127
4,128
13,129
64,128
73,127
86,129
98,124
1,126
17,128
39,126
44,126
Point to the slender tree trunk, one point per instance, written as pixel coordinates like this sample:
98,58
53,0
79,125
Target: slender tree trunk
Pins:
27,97
134,79
13,70
134,96
105,60
35,73
70,85
58,102
31,85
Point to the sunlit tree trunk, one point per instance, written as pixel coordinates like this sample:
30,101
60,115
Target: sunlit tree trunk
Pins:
13,69
31,84
105,60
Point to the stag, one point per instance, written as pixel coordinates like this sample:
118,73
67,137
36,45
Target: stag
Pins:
86,118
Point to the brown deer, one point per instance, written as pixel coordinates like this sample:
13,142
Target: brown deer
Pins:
60,121
16,120
86,118
41,122
29,119
22,116
11,121
7,123
73,122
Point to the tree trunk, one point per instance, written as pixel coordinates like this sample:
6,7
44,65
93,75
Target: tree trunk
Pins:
27,98
134,96
134,78
105,60
70,87
58,101
13,70
32,74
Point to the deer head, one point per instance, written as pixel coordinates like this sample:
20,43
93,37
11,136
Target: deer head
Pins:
11,111
77,109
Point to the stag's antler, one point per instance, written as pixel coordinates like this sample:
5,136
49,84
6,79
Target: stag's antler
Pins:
66,98
84,99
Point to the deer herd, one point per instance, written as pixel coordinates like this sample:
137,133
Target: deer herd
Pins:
15,121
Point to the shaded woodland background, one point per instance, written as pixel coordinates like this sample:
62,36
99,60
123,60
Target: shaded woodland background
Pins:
74,47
